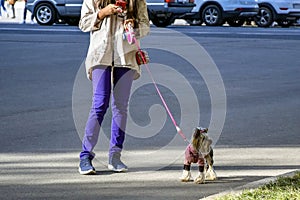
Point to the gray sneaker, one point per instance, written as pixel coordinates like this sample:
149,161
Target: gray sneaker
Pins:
86,167
115,163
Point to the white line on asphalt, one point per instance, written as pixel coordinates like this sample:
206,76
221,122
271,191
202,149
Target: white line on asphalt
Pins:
245,33
156,31
37,29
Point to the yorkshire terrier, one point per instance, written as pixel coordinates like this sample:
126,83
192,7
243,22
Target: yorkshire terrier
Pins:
199,151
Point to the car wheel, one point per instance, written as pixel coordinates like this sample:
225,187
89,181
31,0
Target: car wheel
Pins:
161,22
212,15
264,18
236,22
45,14
194,22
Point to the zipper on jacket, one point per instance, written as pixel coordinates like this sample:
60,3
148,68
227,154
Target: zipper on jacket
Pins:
113,39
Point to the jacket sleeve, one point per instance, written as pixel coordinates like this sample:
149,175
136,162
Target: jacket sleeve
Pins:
88,19
142,19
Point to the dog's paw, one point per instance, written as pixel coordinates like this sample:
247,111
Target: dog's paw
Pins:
186,176
200,178
210,174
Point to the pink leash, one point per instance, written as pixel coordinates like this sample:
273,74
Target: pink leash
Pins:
179,131
131,39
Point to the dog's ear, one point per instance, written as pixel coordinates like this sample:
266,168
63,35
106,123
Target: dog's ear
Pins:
196,133
205,144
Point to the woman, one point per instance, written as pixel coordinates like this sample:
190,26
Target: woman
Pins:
4,9
25,14
110,64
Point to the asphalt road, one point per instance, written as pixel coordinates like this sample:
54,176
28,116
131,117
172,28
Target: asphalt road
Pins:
41,73
259,68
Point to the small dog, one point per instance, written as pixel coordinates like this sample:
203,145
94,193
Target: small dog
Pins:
199,151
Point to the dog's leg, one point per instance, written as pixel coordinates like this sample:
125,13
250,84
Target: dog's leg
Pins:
210,172
186,174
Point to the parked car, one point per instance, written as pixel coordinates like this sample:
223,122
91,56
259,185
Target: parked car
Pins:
284,12
161,12
217,12
47,12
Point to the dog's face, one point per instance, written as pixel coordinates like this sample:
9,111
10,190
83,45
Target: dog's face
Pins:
201,141
205,145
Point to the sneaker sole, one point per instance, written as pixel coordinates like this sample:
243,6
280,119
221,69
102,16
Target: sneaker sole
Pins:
185,180
199,182
110,167
89,172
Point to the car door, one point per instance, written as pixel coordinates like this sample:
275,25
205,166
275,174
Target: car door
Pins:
296,4
73,7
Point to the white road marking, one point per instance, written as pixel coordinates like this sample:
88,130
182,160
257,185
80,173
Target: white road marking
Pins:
292,32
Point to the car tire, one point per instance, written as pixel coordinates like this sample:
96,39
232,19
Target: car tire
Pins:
236,22
194,22
212,15
264,18
45,14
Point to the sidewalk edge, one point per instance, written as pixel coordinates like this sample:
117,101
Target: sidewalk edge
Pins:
251,185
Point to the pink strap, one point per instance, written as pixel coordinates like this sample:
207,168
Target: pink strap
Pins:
179,131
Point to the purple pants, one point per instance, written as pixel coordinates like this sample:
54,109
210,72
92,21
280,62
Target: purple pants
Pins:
103,78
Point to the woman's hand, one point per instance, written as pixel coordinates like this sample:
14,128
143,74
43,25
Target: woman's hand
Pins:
110,9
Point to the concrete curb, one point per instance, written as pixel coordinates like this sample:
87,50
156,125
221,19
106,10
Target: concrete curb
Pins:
252,185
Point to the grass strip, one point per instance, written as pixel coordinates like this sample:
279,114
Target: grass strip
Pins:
283,188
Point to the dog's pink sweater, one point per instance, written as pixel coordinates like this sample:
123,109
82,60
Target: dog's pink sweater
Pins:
192,156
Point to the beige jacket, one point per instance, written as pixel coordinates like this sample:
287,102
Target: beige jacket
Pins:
107,46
